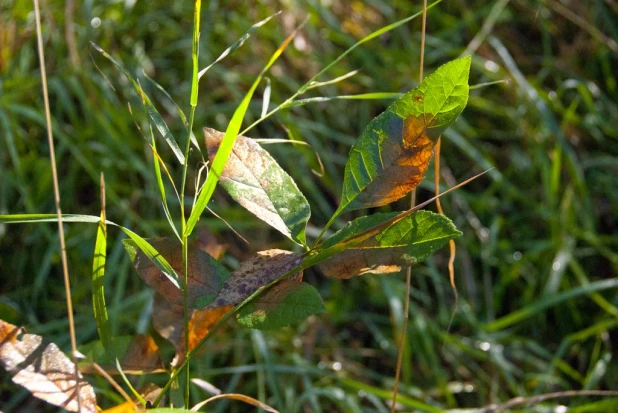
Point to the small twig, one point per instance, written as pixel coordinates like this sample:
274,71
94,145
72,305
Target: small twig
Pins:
52,157
528,401
406,307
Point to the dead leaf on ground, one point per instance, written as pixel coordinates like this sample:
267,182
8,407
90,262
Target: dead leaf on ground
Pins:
43,369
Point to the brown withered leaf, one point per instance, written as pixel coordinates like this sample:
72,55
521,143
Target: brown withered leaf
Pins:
254,273
208,243
43,369
168,321
205,274
142,356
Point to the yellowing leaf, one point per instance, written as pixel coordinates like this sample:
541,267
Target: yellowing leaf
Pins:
257,182
43,369
255,273
205,276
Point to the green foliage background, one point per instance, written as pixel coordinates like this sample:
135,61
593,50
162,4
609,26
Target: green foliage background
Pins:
536,266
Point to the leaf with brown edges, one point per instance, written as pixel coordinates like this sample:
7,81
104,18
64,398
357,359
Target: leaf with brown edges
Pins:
391,156
168,321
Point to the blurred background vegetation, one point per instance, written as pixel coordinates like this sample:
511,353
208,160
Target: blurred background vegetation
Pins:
537,264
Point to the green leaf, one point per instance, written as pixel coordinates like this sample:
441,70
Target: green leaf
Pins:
285,303
391,156
257,182
397,245
98,290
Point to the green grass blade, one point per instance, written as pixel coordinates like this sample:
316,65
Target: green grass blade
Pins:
237,44
98,290
157,167
547,302
362,96
144,245
153,113
128,383
225,149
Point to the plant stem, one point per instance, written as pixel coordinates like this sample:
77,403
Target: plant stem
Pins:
406,307
52,158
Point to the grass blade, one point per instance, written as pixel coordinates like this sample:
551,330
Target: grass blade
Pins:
98,272
547,302
227,143
237,44
144,245
153,113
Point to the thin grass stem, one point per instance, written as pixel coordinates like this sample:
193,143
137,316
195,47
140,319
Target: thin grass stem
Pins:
52,158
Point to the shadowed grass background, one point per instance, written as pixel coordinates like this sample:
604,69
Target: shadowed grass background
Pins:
536,267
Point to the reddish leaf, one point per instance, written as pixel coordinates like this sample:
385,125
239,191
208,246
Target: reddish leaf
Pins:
43,369
205,276
254,273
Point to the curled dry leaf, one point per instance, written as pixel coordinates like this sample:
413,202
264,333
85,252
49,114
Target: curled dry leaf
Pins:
205,274
44,370
257,182
168,321
254,273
